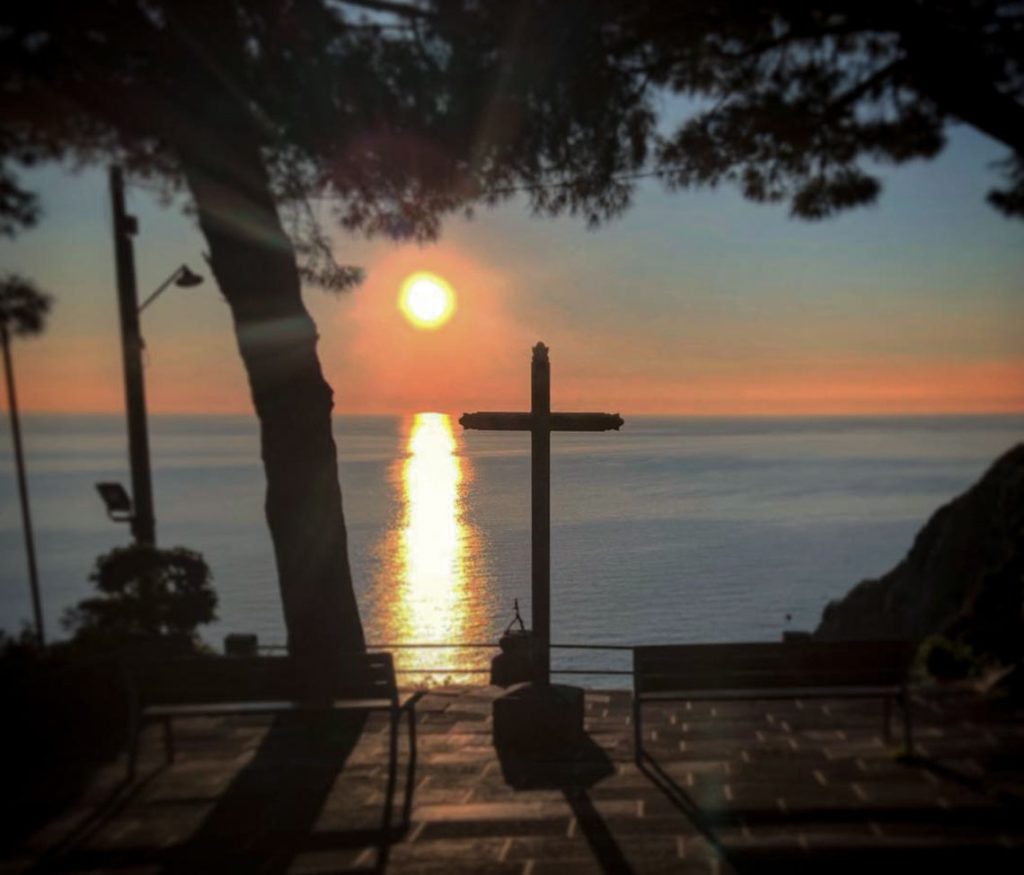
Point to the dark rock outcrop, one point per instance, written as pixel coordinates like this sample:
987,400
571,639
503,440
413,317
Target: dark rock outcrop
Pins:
963,577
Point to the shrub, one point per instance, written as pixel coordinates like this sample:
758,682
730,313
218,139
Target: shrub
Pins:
944,659
146,593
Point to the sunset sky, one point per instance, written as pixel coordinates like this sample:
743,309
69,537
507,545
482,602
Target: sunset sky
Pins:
696,303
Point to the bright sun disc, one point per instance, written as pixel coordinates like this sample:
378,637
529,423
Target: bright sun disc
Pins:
426,300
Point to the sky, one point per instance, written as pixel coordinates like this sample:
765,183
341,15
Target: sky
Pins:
693,302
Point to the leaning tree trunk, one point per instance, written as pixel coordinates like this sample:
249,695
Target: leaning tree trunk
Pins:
254,263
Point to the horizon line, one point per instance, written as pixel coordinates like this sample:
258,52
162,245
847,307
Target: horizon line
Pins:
879,414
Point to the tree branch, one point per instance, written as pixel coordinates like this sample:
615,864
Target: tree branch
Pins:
961,90
400,9
861,88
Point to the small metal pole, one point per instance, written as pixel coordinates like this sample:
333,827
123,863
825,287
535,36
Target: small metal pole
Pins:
540,412
19,463
160,289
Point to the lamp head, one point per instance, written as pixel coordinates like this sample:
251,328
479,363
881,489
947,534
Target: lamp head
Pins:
187,279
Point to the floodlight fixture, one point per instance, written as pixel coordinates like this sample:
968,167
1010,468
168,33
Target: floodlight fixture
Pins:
117,501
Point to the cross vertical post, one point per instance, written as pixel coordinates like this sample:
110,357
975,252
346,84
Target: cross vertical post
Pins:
540,422
540,490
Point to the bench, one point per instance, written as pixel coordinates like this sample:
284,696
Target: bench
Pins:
790,670
221,686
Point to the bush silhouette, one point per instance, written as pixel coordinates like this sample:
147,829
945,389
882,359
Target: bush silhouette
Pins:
146,593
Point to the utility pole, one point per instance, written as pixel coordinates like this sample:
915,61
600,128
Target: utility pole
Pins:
143,520
19,461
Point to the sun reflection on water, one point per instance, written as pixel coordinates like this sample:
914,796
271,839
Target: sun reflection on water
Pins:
426,557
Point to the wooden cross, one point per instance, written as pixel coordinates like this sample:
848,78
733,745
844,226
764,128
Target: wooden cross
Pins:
540,422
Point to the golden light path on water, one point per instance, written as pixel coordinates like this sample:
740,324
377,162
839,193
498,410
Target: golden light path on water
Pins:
427,556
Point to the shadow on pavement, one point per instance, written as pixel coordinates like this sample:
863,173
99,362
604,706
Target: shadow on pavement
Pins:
573,772
264,819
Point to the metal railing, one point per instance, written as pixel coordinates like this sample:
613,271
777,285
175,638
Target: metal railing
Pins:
480,645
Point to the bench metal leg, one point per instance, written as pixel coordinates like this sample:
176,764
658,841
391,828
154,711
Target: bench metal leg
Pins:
637,732
389,796
169,740
134,731
134,718
908,737
410,776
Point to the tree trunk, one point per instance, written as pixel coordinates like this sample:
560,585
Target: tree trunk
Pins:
254,263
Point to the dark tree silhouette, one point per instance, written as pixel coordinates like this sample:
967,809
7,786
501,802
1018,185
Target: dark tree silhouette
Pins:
400,111
23,310
793,97
397,112
148,593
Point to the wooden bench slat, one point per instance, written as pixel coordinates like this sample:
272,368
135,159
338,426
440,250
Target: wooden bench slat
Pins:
768,670
768,665
868,692
218,679
221,686
764,680
224,709
860,654
215,709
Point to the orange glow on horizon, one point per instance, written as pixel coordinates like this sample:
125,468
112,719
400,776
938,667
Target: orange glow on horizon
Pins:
378,362
918,388
445,380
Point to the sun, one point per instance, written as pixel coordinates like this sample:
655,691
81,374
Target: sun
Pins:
426,300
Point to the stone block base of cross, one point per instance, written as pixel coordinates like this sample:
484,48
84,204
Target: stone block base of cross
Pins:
540,716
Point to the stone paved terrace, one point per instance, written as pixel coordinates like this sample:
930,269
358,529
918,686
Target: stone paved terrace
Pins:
763,786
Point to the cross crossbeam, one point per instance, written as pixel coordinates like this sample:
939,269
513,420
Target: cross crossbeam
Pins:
500,421
540,422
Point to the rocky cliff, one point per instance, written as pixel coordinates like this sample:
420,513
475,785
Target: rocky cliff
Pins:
963,576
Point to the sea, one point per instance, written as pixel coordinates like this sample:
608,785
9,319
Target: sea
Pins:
673,529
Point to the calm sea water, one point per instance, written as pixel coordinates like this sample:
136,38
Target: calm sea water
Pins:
673,529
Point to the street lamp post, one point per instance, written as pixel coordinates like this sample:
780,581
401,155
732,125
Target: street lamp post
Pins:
125,227
23,310
19,460
143,518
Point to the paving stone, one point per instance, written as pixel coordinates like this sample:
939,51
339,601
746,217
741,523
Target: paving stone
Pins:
639,852
425,848
780,784
511,827
323,862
